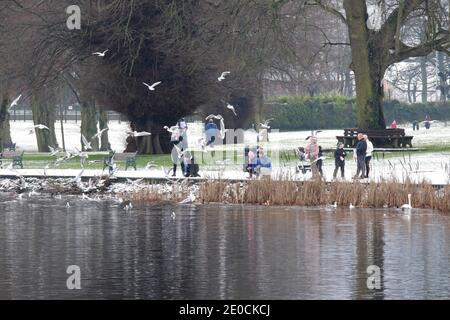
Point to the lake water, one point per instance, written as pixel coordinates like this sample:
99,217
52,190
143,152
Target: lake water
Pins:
219,252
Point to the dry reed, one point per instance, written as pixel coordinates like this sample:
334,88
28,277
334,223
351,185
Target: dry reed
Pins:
281,191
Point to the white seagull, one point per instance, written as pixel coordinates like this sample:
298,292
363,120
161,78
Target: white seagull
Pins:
99,134
230,107
14,103
41,127
222,76
213,116
53,151
77,179
100,54
139,134
87,144
152,87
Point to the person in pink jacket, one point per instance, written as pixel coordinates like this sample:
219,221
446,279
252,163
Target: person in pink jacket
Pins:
312,153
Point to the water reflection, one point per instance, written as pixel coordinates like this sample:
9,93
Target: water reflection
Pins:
219,252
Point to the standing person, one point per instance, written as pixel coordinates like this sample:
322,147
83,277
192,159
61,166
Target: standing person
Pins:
211,132
427,122
394,125
339,160
361,149
415,125
369,151
176,142
182,126
312,153
319,162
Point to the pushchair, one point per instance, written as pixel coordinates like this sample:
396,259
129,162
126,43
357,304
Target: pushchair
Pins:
302,165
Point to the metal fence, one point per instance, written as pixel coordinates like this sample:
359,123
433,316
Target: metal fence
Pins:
25,114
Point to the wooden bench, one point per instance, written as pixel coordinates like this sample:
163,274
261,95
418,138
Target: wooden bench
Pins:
394,138
15,156
128,157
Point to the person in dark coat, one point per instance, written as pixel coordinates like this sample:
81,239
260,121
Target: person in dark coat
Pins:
319,162
339,160
361,149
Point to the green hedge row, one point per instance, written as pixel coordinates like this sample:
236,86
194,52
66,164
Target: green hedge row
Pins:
303,113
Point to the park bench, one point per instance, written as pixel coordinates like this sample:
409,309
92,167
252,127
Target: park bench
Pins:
128,157
15,156
9,146
381,138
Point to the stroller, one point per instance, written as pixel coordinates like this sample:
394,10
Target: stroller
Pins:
302,165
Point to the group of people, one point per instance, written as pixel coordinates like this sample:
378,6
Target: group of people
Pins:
257,162
427,123
362,155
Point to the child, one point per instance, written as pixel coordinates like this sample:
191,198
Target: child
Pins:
339,160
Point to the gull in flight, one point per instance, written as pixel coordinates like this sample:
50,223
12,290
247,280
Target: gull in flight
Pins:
150,164
171,129
139,134
152,87
166,172
77,179
39,126
99,134
265,124
230,107
222,76
213,116
14,103
87,144
100,54
202,144
53,151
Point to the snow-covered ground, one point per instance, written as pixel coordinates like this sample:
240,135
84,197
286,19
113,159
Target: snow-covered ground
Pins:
416,165
20,135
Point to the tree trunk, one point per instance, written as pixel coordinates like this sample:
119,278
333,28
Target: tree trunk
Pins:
424,78
5,132
89,122
442,79
43,108
366,64
103,124
257,101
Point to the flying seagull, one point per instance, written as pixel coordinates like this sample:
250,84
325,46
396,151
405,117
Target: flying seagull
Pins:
222,76
14,103
213,116
87,144
171,129
77,179
150,164
152,87
139,134
100,54
41,126
53,151
99,134
230,107
265,124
